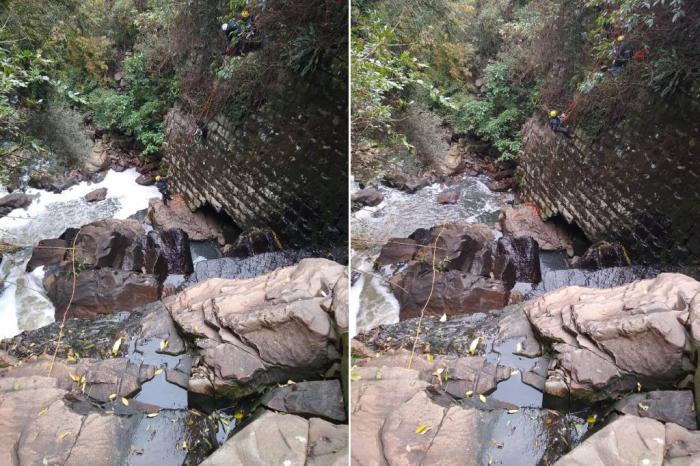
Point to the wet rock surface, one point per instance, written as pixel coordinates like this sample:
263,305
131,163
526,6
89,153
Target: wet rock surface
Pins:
665,406
458,268
602,338
275,438
524,220
260,331
99,291
252,243
167,252
603,255
457,292
111,243
406,182
367,197
199,226
315,398
450,196
248,267
96,195
632,440
48,252
75,414
16,200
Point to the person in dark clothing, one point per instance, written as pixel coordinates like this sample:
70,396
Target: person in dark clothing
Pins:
557,124
623,55
242,29
162,185
202,130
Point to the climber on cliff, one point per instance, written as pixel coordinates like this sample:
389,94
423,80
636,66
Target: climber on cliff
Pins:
242,29
556,122
162,185
623,55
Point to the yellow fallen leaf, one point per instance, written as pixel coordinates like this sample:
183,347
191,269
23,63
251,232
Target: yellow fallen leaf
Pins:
63,435
159,371
474,345
125,402
112,396
163,344
151,414
469,393
238,415
482,398
75,378
422,429
592,419
643,407
116,346
184,445
429,357
43,411
512,411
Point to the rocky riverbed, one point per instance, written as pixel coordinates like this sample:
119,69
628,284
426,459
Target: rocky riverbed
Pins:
530,348
178,348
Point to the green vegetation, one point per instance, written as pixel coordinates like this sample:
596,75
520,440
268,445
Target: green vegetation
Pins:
527,57
124,63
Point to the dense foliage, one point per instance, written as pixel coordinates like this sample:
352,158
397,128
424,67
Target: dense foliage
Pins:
527,57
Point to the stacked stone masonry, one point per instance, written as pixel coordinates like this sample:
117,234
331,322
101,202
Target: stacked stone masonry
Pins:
279,169
639,188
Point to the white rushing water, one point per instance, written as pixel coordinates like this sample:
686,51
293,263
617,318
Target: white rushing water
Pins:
372,302
23,301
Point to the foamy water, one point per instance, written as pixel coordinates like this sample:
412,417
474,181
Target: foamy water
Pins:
23,301
372,303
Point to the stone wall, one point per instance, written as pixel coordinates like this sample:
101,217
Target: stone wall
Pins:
639,186
283,166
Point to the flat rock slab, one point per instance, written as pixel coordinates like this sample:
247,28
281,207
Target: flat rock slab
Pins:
631,441
316,398
284,439
367,197
665,406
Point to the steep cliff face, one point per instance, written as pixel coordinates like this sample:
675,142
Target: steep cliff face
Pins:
638,184
275,150
283,167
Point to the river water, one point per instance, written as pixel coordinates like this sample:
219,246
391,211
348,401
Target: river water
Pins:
372,303
23,301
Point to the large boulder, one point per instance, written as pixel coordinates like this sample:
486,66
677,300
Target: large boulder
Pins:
473,271
266,330
631,441
98,160
405,182
252,243
117,244
449,196
677,406
96,195
280,439
168,252
99,291
48,252
450,292
524,220
322,398
603,255
16,200
367,197
199,226
605,342
55,182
